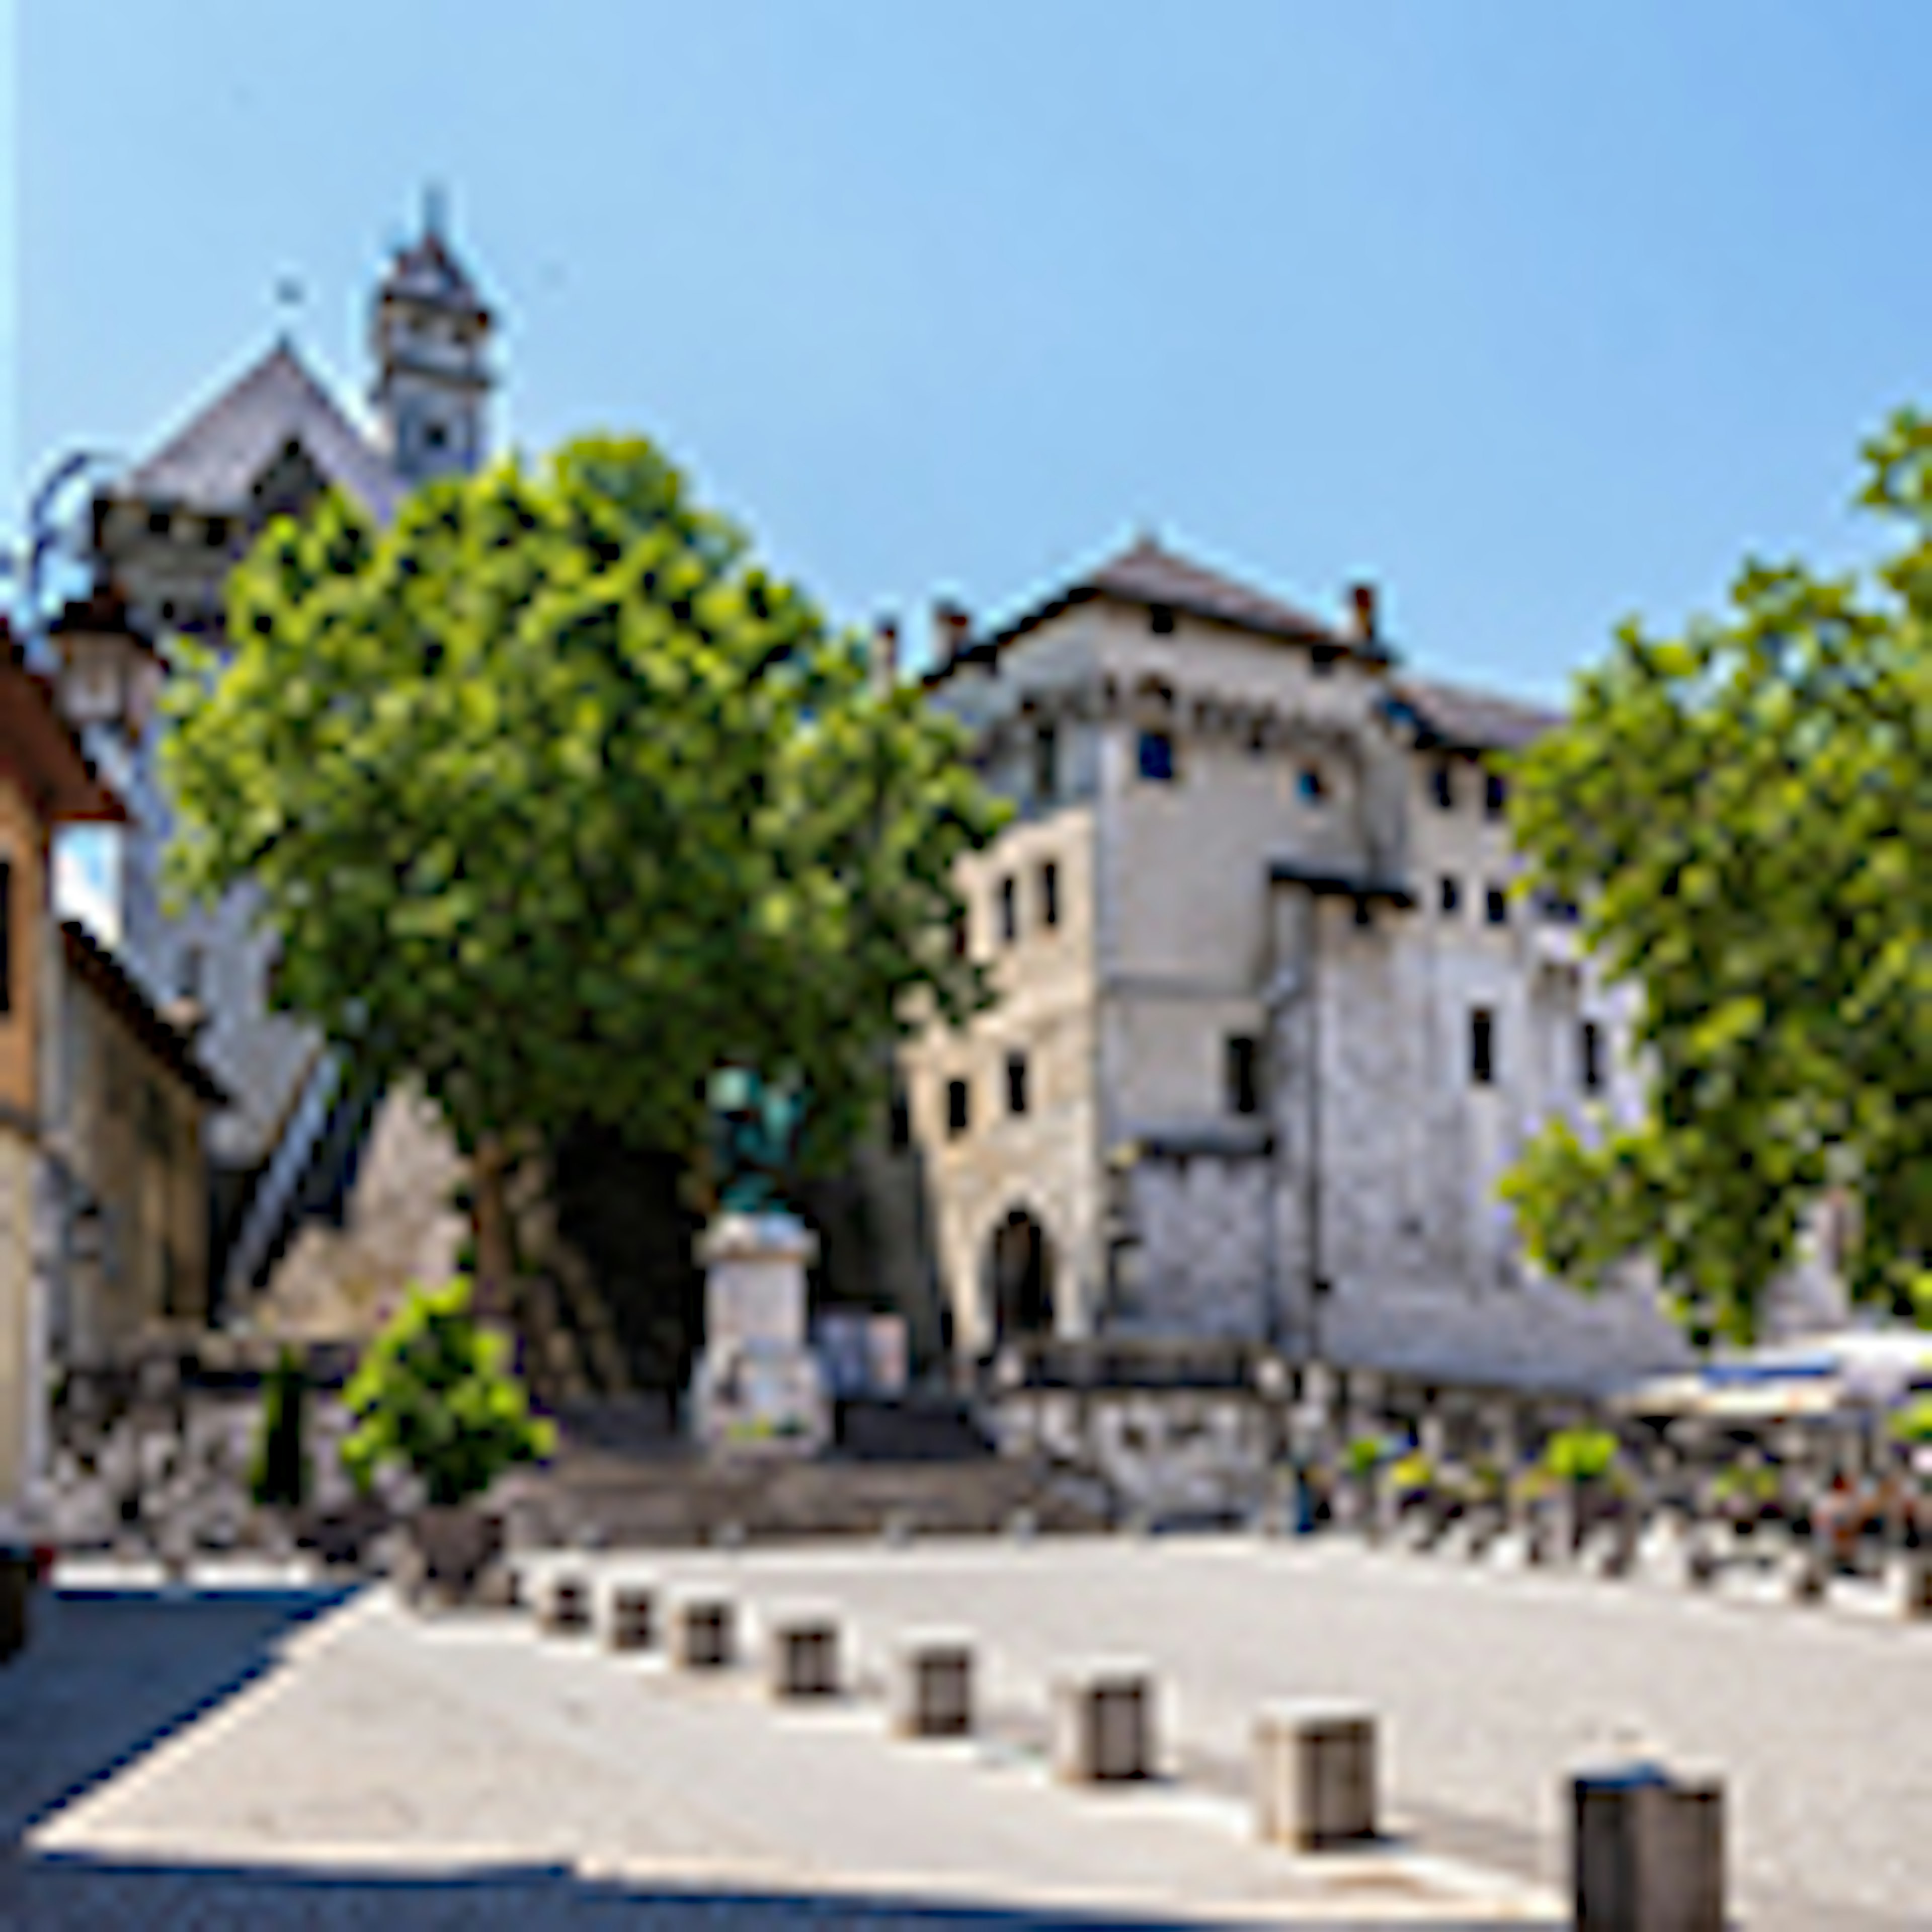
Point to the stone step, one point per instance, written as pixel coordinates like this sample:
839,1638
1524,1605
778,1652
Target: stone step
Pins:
616,1502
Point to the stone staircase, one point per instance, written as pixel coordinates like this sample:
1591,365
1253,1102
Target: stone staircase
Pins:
920,1469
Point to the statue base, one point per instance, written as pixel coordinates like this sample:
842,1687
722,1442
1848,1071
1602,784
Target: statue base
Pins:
758,1389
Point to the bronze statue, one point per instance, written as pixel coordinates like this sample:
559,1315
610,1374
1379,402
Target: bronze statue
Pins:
754,1136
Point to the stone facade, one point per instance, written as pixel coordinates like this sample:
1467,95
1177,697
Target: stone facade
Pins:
127,1108
1284,918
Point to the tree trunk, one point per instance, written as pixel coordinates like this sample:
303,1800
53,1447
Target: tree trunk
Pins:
495,1299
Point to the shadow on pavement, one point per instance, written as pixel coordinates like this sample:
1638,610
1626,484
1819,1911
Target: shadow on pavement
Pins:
64,1892
111,1673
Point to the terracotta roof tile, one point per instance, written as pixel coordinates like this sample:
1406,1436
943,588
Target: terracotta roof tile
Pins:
1147,574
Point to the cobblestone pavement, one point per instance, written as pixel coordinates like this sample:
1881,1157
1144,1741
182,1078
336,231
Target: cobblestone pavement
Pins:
241,1761
274,1758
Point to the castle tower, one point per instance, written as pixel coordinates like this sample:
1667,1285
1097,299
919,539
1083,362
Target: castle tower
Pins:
427,329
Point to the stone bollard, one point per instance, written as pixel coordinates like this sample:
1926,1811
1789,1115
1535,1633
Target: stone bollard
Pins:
1908,1583
630,1613
563,1604
802,1653
1315,1774
1647,1851
1103,1723
930,1693
1803,1573
702,1629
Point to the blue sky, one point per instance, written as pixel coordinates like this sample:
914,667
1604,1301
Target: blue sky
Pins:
1539,315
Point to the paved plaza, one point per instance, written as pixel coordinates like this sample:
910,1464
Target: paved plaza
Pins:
257,1756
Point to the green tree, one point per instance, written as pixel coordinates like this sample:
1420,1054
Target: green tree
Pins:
1739,810
555,799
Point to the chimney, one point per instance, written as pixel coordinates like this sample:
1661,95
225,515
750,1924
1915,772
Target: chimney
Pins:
886,654
1362,601
951,630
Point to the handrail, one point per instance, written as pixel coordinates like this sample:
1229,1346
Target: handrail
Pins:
287,1165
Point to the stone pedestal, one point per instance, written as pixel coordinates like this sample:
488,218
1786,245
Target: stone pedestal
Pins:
1315,1774
758,1388
701,1630
1647,1851
1103,1722
931,1692
802,1653
630,1613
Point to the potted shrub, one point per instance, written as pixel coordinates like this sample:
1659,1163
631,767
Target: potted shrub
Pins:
434,1396
1582,1462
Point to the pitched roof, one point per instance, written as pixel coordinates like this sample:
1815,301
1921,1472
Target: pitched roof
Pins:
212,462
427,272
1459,719
90,962
1149,575
38,743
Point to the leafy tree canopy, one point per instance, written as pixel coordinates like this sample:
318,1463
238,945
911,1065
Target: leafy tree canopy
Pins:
555,800
1744,812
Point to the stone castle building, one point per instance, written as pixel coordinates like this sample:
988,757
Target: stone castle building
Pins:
1273,1018
165,535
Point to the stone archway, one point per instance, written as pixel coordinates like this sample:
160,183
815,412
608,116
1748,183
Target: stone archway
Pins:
1019,1259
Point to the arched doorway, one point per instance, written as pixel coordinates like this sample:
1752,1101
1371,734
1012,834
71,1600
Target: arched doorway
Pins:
1020,1260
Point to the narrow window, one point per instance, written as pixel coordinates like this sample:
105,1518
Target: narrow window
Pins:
1591,1042
1010,911
1157,758
189,977
1322,661
899,1128
1442,786
6,936
1483,1047
1049,893
1496,905
1160,620
1310,786
958,1107
1495,794
1046,764
1243,1074
1016,1083
217,533
959,932
159,523
1451,899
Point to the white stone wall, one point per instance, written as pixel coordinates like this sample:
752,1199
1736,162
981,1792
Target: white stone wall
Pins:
1374,1164
1043,1163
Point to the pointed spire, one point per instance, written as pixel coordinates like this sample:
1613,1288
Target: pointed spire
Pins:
436,211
